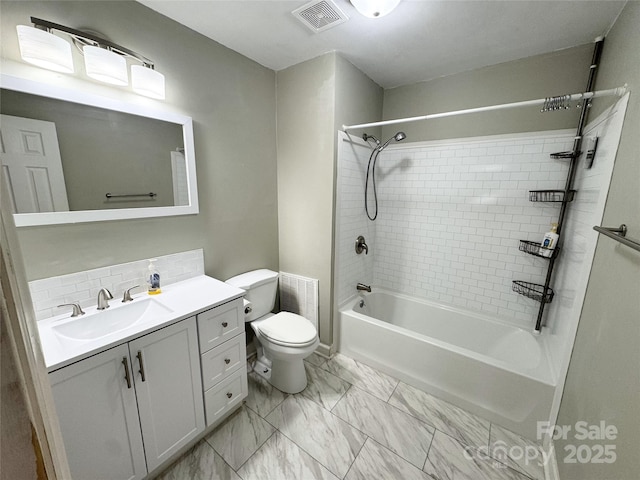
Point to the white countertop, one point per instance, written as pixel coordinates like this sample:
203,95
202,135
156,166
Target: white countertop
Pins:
182,300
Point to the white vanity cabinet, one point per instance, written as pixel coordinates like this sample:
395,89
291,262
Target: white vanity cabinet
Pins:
124,411
224,353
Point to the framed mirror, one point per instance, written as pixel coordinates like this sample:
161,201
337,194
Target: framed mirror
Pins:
71,157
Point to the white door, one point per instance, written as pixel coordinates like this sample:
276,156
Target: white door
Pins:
32,167
169,389
99,417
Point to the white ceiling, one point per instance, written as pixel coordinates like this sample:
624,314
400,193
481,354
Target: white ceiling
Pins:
420,40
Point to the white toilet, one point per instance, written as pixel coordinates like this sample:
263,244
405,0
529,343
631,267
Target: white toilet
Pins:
286,338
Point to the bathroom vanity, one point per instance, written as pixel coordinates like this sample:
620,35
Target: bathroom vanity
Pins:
163,371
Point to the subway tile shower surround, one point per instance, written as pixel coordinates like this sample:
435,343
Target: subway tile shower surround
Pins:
83,286
451,216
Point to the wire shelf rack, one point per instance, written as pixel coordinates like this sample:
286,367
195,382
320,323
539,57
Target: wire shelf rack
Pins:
551,195
533,291
565,155
534,248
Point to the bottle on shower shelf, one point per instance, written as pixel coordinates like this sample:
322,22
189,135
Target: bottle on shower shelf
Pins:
549,241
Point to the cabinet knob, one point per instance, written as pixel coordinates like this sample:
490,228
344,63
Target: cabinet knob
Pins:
225,324
229,395
227,361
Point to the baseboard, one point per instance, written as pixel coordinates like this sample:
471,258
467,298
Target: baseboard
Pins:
551,465
324,350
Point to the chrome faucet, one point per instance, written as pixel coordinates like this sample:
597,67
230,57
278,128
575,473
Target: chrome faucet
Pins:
363,287
104,295
126,296
77,310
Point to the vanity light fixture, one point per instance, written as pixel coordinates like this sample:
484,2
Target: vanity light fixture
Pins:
44,49
375,8
104,60
105,66
146,81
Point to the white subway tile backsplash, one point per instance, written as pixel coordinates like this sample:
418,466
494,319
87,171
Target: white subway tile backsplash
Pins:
83,287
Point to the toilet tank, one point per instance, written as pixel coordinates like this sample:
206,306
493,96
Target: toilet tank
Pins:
261,286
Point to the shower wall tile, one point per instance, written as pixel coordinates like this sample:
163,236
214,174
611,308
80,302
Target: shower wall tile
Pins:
83,287
451,215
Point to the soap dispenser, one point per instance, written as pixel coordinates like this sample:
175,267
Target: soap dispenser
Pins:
153,278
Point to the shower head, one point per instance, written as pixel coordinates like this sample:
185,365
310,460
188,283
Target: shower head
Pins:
398,137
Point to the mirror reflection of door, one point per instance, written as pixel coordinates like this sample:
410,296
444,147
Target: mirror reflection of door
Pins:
32,167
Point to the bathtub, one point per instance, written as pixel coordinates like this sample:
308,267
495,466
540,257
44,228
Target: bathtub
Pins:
493,369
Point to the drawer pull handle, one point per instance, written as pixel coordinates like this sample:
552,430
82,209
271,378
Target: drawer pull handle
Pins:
227,361
225,324
127,377
229,395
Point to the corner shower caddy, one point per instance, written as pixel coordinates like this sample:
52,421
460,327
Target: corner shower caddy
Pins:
544,293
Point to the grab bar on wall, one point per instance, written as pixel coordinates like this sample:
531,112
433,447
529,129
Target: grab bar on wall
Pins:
122,195
619,235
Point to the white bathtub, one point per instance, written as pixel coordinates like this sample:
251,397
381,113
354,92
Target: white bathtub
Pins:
493,369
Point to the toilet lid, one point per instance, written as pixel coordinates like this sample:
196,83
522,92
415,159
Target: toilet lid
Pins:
288,328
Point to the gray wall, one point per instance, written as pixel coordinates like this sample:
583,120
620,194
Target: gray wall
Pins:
314,99
555,73
603,382
232,102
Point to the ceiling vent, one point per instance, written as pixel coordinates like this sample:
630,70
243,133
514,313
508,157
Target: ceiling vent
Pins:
321,15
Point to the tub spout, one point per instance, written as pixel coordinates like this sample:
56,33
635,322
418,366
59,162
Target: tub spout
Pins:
363,287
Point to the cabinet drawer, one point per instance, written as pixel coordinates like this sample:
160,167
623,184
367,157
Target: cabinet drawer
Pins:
219,324
221,361
225,396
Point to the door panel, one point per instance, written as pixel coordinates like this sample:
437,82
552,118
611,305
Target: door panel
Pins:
32,165
99,418
169,389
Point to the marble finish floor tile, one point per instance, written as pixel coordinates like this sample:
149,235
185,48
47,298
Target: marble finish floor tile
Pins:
376,462
316,359
460,424
361,375
517,452
323,387
199,463
328,439
240,436
279,458
400,432
263,397
450,460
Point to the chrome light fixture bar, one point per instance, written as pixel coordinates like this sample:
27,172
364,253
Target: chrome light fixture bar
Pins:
105,61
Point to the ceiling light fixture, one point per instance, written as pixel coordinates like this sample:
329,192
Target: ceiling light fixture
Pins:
105,61
375,8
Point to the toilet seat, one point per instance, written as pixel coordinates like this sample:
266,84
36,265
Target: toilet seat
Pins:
288,330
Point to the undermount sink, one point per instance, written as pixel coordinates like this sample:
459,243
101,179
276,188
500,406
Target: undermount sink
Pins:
105,322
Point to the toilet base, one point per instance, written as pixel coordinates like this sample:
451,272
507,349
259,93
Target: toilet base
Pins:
288,376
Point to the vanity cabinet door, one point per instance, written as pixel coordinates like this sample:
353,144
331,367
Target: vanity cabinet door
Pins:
99,417
169,389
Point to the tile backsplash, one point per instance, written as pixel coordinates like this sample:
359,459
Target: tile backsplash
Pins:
82,287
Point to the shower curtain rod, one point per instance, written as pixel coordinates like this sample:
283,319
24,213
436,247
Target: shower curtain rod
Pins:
620,91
